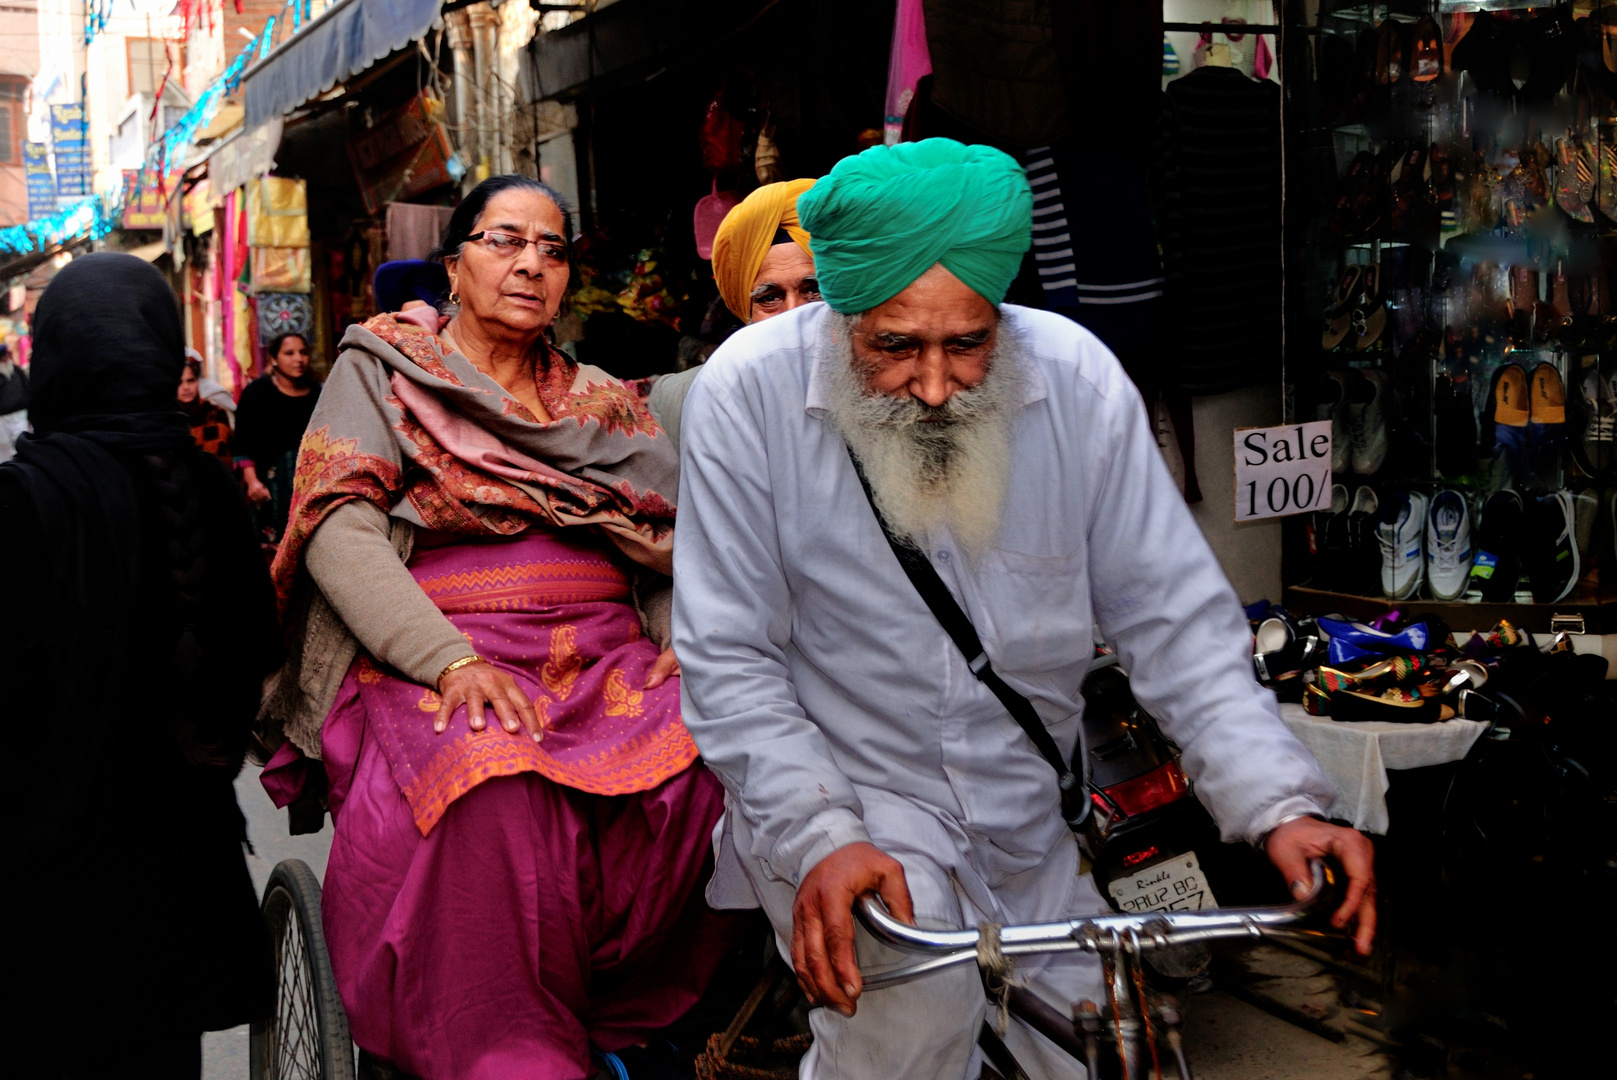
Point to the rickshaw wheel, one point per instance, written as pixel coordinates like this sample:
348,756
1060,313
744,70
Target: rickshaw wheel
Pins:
307,1037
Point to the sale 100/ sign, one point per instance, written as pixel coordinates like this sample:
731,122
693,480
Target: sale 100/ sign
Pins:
1282,470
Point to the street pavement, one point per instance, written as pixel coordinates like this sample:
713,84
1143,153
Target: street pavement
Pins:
1226,1039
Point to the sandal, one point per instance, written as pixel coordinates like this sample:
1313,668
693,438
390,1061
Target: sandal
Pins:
1339,313
1574,180
1370,319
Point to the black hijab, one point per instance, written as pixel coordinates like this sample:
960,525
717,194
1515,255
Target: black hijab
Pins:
108,350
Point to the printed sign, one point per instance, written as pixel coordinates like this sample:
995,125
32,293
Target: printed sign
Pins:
145,205
72,149
1282,470
36,168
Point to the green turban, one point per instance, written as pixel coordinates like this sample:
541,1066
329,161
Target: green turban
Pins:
886,216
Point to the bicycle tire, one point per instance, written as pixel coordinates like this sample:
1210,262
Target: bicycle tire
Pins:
307,1036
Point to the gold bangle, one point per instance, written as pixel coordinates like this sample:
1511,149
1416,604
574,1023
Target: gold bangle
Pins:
457,665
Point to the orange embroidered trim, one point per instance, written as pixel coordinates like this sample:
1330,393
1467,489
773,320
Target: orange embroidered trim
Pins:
638,765
525,586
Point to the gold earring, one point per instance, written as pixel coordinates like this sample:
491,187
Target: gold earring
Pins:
454,298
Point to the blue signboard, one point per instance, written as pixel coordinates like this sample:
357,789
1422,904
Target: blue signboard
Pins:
36,167
68,139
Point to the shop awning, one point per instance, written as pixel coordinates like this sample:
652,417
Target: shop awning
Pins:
634,37
347,38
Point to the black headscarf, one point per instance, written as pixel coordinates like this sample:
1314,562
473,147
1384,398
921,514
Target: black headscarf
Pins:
160,624
108,351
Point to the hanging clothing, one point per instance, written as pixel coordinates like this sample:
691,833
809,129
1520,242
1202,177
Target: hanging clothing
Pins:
1217,196
142,626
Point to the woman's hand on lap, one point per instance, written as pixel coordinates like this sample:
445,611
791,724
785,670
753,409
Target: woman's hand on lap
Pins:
481,686
666,667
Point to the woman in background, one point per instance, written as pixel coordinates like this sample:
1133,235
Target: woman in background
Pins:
210,425
274,410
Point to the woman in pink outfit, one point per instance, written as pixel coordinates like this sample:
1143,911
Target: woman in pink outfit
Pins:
476,574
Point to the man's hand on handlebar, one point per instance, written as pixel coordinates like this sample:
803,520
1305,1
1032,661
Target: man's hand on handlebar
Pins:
1291,846
822,920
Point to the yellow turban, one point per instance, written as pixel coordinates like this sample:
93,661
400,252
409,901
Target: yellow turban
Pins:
747,233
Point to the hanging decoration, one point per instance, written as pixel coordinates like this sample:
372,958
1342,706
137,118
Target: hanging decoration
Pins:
90,218
97,13
93,217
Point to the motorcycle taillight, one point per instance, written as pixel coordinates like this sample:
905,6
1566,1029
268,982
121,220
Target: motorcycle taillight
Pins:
1159,787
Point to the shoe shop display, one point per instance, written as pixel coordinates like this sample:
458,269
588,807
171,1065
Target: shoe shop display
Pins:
1368,401
1455,235
1448,546
1550,551
1401,536
1496,556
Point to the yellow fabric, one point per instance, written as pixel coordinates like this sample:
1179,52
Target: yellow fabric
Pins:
281,270
277,212
746,235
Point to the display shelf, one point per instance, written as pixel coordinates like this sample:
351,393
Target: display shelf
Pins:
1598,617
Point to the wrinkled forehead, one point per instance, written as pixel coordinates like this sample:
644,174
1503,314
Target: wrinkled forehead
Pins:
522,212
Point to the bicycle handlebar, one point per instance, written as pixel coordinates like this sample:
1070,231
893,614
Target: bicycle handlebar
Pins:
1099,934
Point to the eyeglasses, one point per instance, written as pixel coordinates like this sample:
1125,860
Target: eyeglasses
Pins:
509,247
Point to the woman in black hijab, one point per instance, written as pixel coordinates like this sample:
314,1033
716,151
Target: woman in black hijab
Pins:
142,624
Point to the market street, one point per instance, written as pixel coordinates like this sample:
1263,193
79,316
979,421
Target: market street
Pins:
809,539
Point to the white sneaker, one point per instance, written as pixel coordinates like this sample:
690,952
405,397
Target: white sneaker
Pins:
1368,400
1403,563
1448,545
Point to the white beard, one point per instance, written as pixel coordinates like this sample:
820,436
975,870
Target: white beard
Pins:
927,467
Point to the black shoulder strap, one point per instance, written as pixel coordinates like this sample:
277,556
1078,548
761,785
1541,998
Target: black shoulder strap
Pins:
955,623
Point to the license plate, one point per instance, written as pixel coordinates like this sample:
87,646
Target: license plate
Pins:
1175,884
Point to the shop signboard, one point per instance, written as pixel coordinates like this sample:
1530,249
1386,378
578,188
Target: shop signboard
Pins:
1282,470
406,153
145,206
72,147
36,167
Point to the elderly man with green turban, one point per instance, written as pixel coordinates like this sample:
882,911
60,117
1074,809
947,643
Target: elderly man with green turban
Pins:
861,748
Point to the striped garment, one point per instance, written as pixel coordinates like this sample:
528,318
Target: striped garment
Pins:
1054,254
1218,203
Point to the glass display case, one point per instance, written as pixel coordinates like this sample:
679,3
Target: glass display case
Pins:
1451,211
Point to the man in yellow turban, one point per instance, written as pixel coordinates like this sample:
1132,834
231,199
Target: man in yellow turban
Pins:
865,748
762,262
763,267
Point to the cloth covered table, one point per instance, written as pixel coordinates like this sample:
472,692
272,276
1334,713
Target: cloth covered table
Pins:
1356,757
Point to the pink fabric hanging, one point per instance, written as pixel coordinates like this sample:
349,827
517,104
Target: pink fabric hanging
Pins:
1263,62
227,289
911,60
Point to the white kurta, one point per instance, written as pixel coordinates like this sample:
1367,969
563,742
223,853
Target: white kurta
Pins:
834,708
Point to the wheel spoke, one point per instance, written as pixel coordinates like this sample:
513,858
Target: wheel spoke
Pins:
297,1048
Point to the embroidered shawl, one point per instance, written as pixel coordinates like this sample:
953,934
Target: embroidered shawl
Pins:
416,429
